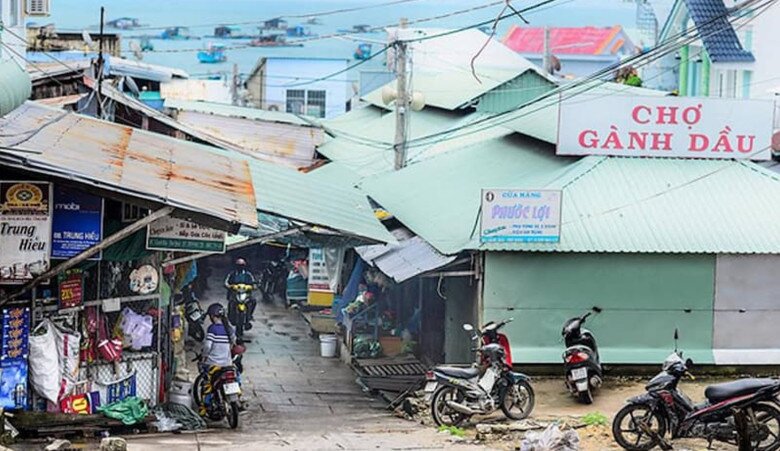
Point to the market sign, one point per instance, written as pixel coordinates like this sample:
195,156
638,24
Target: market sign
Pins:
25,230
172,234
77,222
679,127
71,287
520,216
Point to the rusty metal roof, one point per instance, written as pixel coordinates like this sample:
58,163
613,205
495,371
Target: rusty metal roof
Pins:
132,162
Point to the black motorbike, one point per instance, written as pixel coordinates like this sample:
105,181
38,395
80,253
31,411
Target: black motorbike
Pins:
646,419
273,279
194,314
481,389
581,362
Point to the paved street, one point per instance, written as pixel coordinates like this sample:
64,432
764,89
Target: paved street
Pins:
299,400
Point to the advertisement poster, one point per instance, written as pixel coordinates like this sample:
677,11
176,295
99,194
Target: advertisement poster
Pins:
13,384
25,230
71,287
77,222
121,389
520,216
324,275
16,333
172,234
679,127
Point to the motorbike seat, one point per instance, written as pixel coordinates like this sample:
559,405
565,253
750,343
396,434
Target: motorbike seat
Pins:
721,392
462,373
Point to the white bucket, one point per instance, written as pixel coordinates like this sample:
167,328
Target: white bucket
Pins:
328,344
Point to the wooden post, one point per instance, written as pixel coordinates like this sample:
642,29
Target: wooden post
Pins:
84,255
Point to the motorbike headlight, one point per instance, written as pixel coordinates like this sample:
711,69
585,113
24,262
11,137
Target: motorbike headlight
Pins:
242,296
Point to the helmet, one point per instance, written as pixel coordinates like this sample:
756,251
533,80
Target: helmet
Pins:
215,309
240,262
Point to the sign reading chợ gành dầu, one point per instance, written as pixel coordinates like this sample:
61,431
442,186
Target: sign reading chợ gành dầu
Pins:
531,216
679,127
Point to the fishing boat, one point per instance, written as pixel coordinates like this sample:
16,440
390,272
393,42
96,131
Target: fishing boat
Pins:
273,40
359,29
124,23
363,51
176,34
214,53
230,32
275,24
299,31
146,45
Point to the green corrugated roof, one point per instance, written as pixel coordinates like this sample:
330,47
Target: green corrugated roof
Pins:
328,199
609,204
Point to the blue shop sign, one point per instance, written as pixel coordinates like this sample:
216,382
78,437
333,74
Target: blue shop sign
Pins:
77,222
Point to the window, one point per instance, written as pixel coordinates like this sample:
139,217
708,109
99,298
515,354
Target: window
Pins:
311,103
731,84
296,101
315,103
132,213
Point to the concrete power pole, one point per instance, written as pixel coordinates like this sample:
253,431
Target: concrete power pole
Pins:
402,99
547,56
234,85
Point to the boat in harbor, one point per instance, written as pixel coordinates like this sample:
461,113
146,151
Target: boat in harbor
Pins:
230,32
299,31
213,54
359,29
124,23
363,51
314,21
273,40
177,34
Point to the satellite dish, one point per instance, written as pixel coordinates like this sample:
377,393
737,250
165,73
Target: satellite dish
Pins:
136,49
132,86
87,38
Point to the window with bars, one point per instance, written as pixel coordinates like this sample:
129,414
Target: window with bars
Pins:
311,103
296,101
315,103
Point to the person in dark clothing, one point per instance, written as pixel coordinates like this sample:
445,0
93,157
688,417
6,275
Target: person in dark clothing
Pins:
241,275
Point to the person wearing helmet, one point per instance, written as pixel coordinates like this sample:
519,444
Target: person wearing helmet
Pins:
241,275
216,351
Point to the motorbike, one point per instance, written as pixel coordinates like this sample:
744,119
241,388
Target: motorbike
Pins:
239,307
225,393
273,277
194,314
581,362
460,393
645,420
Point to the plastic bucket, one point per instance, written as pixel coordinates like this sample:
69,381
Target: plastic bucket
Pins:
180,393
328,344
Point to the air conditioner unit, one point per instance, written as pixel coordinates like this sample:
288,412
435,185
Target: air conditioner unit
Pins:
37,7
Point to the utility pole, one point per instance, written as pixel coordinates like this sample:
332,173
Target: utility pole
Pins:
547,56
100,68
234,85
402,98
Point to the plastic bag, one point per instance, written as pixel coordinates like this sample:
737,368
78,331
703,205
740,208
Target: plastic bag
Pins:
45,374
551,439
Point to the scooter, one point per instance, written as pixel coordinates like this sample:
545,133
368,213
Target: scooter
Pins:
734,412
581,362
194,314
239,307
223,399
482,389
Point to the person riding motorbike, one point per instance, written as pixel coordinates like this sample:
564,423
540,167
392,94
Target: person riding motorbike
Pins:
216,352
241,275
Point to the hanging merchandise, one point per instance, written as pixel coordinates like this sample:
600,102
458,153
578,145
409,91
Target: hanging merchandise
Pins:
117,390
44,362
144,280
89,328
137,329
68,343
16,331
85,403
110,349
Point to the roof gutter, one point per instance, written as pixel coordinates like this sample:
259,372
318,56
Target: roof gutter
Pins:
15,86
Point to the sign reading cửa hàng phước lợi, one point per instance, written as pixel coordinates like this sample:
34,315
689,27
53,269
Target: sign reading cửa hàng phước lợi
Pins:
520,215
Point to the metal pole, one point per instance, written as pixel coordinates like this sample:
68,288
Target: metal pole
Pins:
100,68
402,99
234,85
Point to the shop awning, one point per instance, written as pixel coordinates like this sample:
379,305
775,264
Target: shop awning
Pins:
131,162
406,259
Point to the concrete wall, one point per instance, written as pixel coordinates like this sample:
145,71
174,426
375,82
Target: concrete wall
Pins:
15,25
278,73
747,310
644,297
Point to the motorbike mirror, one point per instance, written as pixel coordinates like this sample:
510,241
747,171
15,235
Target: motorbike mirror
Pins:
597,309
468,327
676,334
689,363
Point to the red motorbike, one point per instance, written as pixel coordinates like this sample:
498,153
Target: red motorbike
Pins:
490,334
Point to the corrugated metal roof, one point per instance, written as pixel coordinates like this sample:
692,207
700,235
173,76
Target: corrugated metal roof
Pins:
568,40
40,71
439,198
326,199
283,143
145,71
222,109
666,205
61,101
609,204
404,260
133,162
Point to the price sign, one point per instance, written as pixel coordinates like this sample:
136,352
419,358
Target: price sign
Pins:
71,285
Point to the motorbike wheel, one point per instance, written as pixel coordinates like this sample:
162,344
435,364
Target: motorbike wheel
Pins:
765,432
442,414
195,331
197,388
630,435
518,401
585,397
232,414
239,324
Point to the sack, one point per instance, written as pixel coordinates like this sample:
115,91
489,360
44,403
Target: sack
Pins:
551,439
45,375
68,343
